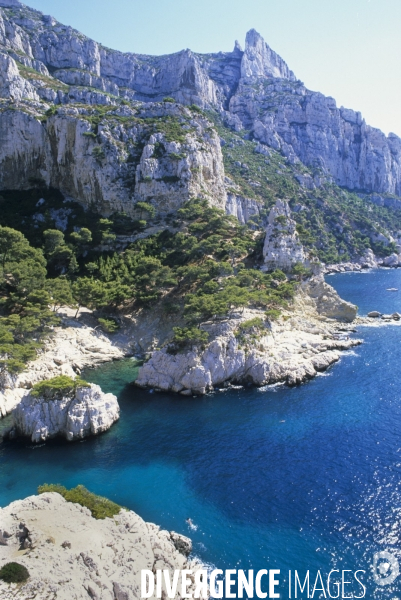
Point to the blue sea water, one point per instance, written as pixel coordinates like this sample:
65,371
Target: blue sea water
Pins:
301,478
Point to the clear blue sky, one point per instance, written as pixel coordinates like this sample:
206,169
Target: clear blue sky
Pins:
348,49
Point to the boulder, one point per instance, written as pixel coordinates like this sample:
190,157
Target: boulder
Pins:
374,314
392,261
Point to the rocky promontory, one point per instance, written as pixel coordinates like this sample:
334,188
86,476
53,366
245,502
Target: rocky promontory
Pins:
247,347
82,412
69,554
69,349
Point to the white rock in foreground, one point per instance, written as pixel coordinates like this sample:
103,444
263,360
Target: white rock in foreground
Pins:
72,556
87,412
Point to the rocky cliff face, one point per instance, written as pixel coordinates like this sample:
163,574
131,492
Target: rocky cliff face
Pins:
291,350
252,88
282,248
86,412
70,349
70,554
159,153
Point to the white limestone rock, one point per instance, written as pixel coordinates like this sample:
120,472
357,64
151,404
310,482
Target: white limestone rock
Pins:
253,89
290,350
73,555
394,260
368,260
282,248
62,154
69,350
12,85
86,412
242,208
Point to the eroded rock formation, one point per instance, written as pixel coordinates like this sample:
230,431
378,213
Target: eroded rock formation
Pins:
252,88
87,411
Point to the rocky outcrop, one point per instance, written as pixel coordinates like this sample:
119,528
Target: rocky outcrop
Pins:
327,302
73,555
394,260
87,411
282,248
126,161
70,349
243,209
291,350
252,88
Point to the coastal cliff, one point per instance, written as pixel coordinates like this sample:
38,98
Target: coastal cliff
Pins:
250,348
67,351
75,415
72,554
252,89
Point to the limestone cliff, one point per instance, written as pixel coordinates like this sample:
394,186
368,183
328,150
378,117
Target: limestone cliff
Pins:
160,153
87,411
70,349
291,350
282,248
252,88
69,554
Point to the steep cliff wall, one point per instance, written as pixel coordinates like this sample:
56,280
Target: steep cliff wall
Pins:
159,153
253,88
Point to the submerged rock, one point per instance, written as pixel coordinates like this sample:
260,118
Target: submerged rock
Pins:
86,412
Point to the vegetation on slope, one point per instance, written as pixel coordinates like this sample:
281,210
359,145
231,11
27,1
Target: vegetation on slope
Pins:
335,224
100,507
57,387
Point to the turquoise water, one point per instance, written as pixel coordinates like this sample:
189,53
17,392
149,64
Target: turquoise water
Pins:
302,478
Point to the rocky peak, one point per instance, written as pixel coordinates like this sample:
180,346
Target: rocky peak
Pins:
10,3
282,248
259,60
237,48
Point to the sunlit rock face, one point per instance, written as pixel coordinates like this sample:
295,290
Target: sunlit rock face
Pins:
252,88
282,248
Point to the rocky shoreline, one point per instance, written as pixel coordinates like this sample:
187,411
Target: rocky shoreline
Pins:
70,554
71,348
293,349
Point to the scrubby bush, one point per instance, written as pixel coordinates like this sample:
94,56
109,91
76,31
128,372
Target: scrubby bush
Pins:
13,572
100,507
57,387
272,314
109,325
185,337
255,323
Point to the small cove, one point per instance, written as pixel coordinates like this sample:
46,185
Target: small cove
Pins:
301,478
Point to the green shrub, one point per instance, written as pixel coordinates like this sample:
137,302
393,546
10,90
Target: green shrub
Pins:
100,507
57,386
168,99
109,325
272,314
185,337
14,573
255,323
195,108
